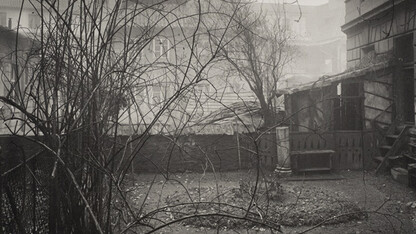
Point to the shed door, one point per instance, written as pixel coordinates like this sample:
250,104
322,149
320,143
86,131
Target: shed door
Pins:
348,109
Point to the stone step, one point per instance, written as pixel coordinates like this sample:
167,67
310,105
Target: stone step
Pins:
385,147
395,157
403,126
392,136
378,159
390,139
400,175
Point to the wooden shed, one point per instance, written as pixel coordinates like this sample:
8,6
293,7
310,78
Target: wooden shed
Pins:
339,112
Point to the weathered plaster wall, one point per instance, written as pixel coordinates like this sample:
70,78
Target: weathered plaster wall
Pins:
380,31
378,95
357,8
380,26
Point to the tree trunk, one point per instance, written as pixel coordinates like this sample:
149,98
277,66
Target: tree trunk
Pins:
269,116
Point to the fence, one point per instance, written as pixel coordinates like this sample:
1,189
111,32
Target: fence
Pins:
353,149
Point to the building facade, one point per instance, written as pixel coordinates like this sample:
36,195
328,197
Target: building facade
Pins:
378,84
382,32
15,54
169,51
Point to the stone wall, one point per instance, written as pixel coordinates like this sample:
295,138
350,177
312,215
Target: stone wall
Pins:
192,153
161,153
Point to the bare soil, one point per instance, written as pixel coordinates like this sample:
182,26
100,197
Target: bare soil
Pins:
303,206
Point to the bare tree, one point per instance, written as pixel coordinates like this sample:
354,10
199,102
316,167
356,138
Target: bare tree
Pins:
91,70
260,53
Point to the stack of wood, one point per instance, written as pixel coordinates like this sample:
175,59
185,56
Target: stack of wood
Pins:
412,135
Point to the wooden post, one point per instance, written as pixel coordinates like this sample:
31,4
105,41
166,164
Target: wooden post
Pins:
337,155
238,146
276,141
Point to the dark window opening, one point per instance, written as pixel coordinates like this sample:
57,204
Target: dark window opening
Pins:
403,48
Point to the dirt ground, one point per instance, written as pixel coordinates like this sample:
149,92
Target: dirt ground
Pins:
386,201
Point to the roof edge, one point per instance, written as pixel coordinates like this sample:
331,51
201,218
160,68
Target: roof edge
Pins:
325,81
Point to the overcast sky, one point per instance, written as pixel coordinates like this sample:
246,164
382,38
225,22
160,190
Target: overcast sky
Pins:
303,2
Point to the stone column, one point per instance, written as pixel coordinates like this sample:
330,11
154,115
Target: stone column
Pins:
283,147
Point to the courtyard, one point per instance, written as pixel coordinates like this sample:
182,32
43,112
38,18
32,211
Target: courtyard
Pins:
344,202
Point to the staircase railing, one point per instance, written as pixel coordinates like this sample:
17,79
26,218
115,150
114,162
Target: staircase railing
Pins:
380,133
376,126
398,143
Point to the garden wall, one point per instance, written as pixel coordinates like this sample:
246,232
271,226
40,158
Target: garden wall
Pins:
13,150
193,153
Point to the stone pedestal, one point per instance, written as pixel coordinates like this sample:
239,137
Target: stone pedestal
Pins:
283,147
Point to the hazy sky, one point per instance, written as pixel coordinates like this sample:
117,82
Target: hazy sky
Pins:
302,2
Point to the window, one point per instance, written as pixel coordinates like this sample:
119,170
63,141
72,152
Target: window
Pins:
368,51
8,75
156,94
28,74
202,88
3,19
183,102
5,77
2,76
402,49
201,95
368,55
160,47
34,20
236,86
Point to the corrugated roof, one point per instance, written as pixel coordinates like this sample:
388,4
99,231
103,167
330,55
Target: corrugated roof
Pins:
324,81
229,112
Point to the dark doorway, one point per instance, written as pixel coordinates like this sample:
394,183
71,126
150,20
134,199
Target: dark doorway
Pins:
405,109
404,78
348,110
